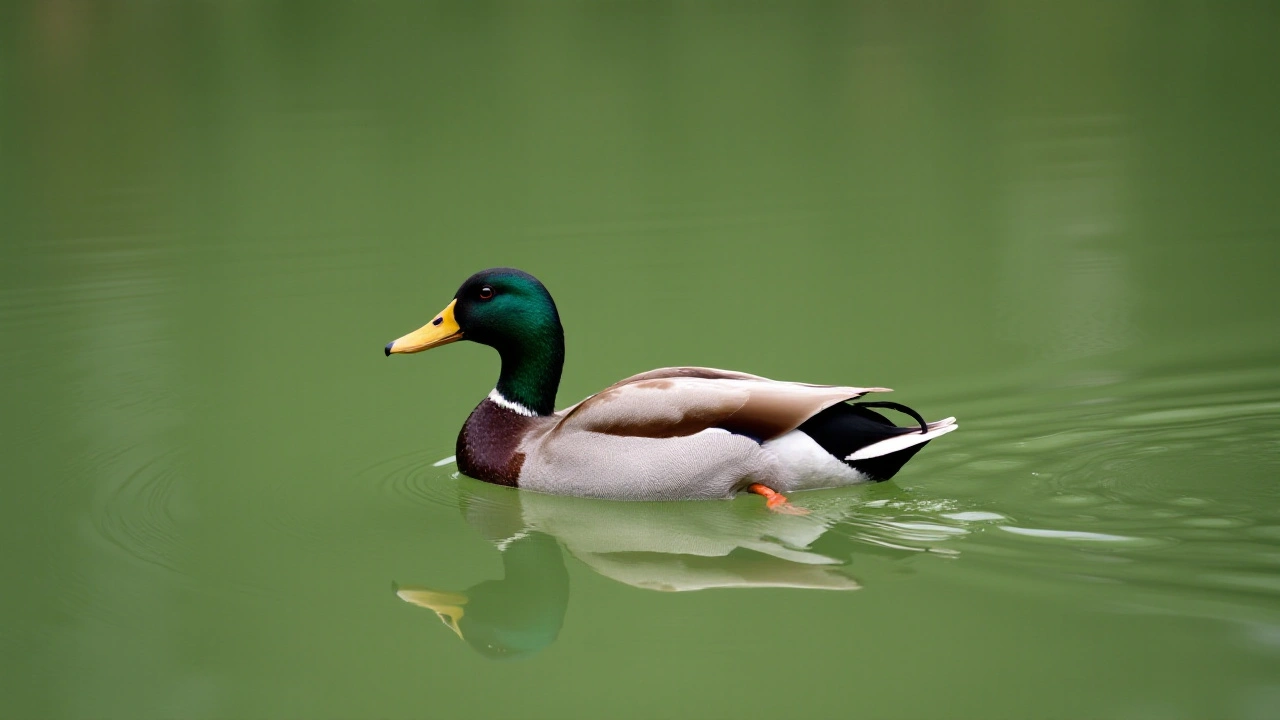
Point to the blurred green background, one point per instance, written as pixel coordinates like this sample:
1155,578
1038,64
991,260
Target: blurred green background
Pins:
1056,221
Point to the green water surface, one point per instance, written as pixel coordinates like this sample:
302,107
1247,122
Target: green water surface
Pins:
1059,222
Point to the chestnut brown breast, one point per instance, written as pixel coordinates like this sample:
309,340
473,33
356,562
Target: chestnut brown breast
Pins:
488,442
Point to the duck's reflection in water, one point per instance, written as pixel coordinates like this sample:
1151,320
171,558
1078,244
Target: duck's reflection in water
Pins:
513,617
672,547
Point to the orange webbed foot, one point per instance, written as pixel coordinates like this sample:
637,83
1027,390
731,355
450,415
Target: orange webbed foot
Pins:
776,501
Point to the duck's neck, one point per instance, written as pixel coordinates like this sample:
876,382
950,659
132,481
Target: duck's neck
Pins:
531,372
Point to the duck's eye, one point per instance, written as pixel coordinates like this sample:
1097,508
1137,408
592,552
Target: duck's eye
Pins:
486,292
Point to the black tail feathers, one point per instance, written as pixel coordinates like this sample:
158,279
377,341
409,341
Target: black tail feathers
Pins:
845,428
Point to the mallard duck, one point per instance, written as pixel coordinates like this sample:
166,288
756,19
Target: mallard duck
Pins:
674,433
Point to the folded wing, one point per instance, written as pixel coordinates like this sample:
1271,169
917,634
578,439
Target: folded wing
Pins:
676,402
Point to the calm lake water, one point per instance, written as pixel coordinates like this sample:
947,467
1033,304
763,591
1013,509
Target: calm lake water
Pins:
1060,224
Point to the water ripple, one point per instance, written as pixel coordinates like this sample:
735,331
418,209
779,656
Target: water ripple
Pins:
1100,480
421,477
138,513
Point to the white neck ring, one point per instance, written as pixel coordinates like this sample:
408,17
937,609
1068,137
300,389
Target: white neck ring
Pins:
496,398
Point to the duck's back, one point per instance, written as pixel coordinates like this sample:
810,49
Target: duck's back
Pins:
674,433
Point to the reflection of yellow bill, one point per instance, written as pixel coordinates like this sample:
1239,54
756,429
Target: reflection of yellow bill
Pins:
448,605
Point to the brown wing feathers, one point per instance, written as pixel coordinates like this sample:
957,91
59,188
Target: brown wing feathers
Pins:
676,402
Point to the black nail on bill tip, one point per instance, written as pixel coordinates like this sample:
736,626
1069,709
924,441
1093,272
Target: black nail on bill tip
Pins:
388,348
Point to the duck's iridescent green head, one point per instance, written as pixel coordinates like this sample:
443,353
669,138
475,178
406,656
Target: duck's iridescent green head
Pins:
510,311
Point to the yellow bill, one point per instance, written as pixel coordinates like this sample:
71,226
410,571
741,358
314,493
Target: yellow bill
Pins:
440,331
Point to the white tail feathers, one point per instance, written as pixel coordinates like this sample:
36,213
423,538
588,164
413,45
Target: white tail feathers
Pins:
904,441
